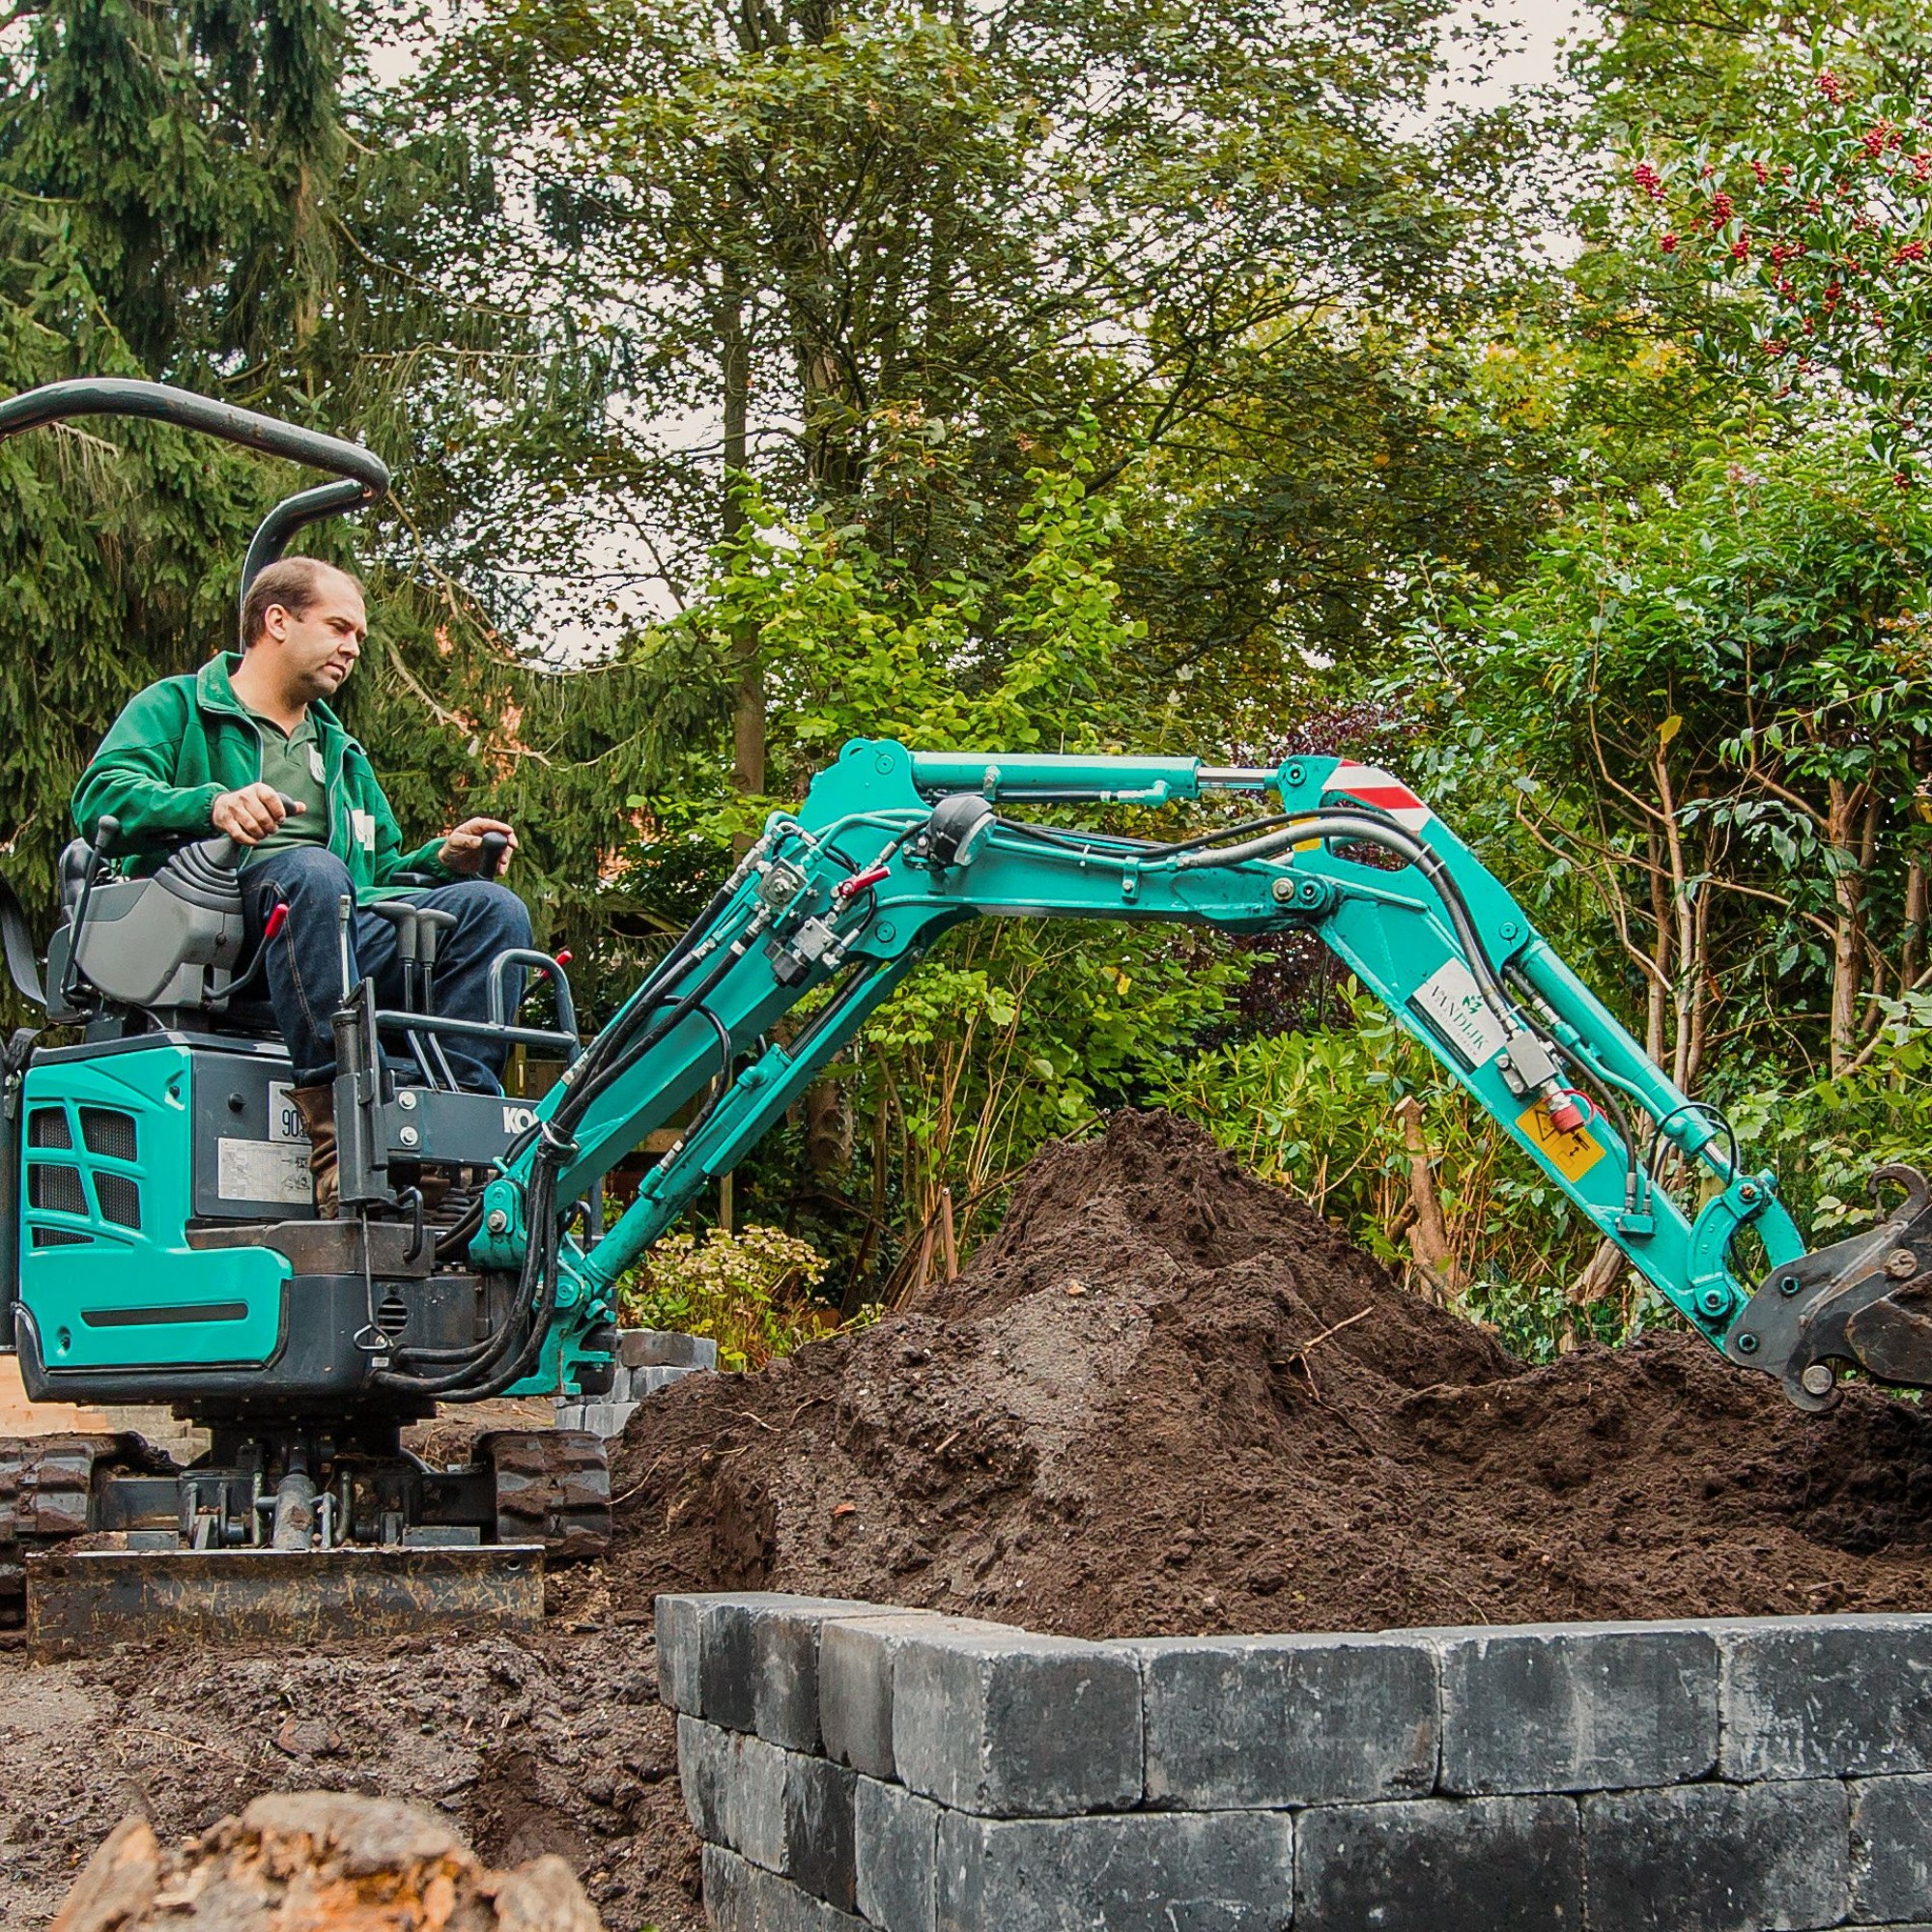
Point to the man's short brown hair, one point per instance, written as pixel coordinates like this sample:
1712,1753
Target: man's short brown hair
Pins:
294,582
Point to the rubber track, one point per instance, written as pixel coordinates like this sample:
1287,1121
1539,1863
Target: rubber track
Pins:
552,1487
44,1485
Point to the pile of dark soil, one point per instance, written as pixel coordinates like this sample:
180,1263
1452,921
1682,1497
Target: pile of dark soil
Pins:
1167,1396
1164,1397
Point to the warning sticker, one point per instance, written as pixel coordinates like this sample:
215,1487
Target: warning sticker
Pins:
263,1171
1572,1156
1453,1003
1375,786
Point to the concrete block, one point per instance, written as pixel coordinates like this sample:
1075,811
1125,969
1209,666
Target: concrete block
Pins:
1891,1848
1578,1707
818,1851
605,1417
760,1663
1444,1865
740,1897
1826,1697
638,1383
895,1838
1719,1858
734,1790
1276,1720
661,1349
680,1635
855,1683
1009,1723
1165,1871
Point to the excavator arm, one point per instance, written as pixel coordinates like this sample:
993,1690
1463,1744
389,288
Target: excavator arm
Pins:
836,903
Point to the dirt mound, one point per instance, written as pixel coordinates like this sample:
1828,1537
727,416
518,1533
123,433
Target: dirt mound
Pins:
1166,1396
548,1746
318,1861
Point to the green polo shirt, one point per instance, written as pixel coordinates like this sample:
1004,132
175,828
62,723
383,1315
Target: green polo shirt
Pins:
292,763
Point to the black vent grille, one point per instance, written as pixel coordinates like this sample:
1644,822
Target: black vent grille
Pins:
46,1127
106,1130
61,1238
57,1188
120,1199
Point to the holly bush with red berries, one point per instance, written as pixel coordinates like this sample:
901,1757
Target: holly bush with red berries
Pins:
1816,238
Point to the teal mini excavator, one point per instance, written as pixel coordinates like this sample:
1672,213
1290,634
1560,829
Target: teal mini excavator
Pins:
160,1248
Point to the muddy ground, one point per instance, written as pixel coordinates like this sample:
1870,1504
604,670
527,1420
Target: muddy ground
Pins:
1164,1397
554,1744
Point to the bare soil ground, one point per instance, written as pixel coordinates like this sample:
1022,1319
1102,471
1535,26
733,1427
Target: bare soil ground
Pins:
1164,1397
556,1744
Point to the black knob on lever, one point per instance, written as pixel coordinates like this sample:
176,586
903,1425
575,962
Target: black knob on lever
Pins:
491,862
106,834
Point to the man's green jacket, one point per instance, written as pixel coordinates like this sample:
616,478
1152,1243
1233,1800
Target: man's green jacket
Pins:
180,743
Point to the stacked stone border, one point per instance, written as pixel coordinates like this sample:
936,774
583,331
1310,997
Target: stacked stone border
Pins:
848,1765
648,1361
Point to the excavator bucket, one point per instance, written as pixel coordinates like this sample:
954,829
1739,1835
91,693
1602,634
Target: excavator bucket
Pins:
1865,1303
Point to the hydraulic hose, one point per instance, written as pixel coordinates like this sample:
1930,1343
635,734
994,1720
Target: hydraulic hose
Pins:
1372,829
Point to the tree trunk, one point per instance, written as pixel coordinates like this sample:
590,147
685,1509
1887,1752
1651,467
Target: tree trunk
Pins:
1683,924
1429,1232
747,704
1912,957
1843,829
1657,996
828,1128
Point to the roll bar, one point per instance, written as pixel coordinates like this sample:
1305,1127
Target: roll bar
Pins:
364,477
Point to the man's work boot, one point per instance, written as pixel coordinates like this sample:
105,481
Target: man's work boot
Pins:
317,1107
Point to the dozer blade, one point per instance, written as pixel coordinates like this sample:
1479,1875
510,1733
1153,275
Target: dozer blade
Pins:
1865,1303
82,1600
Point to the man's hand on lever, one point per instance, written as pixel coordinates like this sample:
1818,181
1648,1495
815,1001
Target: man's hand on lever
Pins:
251,814
463,851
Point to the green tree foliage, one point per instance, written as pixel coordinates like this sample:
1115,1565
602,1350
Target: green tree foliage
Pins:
1815,229
1715,714
1161,378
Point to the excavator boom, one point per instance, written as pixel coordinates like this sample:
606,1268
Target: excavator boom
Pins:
839,901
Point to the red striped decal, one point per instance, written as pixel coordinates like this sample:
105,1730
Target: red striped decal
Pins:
1373,785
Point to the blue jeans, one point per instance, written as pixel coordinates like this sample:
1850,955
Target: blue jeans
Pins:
303,973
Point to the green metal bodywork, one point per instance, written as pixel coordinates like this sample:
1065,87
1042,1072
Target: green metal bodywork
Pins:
107,1294
1389,925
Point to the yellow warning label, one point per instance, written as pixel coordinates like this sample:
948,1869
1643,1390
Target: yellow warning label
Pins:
1572,1156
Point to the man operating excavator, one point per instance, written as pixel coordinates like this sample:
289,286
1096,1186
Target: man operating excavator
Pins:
248,746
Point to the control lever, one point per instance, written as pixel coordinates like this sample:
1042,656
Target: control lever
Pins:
226,852
494,846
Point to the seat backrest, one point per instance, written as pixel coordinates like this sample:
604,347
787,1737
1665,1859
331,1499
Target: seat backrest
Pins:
76,860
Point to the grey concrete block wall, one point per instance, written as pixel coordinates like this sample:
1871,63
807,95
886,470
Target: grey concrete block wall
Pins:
1286,1720
968,1730
649,1360
854,1765
1577,1707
